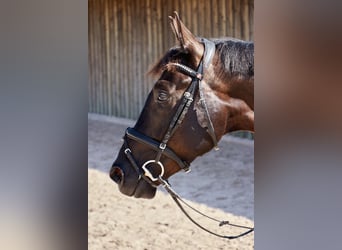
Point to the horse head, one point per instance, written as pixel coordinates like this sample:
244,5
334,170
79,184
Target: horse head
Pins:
201,93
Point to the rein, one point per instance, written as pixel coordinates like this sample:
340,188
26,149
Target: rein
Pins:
161,147
178,199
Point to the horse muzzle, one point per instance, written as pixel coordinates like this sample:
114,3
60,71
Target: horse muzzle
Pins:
130,183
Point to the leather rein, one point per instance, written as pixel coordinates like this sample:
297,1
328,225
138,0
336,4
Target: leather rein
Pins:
162,149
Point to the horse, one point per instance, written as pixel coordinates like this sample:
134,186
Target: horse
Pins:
204,89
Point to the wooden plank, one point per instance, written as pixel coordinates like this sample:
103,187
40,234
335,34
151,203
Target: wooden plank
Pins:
182,11
200,18
101,54
107,49
138,56
207,20
251,19
130,77
90,57
193,17
230,15
214,18
94,71
222,18
186,18
154,47
149,40
159,40
120,63
113,59
133,52
124,58
245,20
97,59
116,63
143,43
237,18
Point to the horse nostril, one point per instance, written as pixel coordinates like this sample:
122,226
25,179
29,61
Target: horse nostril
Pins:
117,175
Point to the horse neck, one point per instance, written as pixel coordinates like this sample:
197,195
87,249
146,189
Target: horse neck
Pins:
234,101
242,90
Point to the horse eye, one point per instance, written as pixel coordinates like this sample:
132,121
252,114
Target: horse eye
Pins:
163,96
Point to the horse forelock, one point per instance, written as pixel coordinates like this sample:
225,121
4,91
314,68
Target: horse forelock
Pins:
160,66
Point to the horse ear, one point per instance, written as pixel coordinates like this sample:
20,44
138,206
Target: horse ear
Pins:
187,40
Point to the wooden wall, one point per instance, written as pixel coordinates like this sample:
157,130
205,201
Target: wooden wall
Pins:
127,37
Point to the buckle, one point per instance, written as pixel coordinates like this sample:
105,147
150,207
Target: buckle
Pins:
187,95
162,146
187,170
127,150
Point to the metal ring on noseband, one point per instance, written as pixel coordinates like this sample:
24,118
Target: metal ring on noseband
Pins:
148,173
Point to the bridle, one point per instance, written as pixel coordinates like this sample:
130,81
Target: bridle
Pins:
161,147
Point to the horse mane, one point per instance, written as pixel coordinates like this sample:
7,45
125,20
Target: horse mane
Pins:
236,57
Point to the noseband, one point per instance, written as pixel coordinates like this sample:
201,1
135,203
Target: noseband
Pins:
161,147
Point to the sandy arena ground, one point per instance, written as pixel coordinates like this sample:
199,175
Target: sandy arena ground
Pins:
221,184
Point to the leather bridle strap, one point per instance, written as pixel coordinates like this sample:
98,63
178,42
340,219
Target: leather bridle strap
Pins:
197,76
153,144
183,107
207,57
178,199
